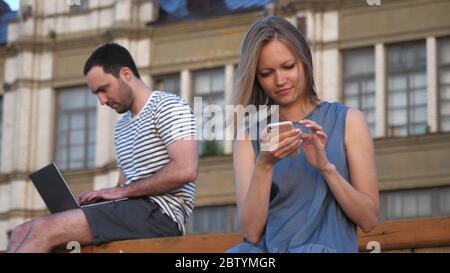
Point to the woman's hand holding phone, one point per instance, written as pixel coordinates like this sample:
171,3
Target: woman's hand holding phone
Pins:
279,140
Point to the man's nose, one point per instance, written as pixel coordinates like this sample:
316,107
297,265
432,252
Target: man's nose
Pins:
102,98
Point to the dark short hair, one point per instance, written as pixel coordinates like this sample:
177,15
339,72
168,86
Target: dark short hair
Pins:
111,57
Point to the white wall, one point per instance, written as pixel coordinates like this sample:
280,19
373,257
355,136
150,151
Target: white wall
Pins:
104,148
330,73
323,27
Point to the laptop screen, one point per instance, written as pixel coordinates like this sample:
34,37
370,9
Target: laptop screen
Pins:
53,189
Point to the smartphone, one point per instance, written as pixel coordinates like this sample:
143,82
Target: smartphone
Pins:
274,129
279,127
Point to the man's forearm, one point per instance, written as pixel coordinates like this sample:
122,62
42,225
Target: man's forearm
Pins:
168,178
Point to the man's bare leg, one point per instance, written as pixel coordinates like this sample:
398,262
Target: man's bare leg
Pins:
47,232
17,236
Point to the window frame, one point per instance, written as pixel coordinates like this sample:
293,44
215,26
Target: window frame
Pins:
442,67
86,111
408,73
77,6
212,147
359,80
231,219
435,194
157,79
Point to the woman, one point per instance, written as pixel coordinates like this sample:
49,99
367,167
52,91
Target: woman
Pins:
304,203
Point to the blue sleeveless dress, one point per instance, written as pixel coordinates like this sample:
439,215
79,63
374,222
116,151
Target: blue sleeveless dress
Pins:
303,213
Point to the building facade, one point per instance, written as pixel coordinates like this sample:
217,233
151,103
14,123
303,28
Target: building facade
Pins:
390,60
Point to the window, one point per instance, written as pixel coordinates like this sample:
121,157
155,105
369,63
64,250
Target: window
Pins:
407,89
210,86
169,83
75,129
1,124
359,83
444,201
213,220
78,5
444,83
415,203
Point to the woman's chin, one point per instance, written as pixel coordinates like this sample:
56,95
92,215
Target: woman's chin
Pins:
284,101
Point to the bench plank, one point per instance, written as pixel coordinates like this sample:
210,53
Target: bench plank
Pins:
404,235
408,234
208,243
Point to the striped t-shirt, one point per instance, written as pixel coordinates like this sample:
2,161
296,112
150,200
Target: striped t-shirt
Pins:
141,146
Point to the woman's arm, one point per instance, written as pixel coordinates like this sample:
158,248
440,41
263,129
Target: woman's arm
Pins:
252,200
253,179
360,199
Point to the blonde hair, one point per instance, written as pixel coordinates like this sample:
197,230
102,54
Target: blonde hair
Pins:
247,89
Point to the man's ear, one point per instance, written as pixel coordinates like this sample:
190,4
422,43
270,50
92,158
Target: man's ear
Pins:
126,74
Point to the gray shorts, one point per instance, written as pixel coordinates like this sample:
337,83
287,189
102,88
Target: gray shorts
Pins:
135,218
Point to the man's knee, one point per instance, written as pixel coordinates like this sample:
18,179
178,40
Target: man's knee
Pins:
40,227
21,230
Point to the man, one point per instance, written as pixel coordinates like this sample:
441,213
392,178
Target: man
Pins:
157,158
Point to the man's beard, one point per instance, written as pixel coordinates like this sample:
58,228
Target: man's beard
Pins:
127,97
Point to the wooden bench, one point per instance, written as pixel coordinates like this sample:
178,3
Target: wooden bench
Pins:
420,235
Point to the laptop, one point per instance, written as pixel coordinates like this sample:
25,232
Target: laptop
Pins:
55,192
